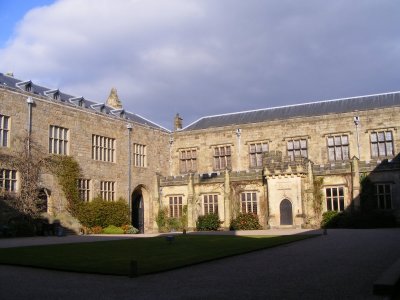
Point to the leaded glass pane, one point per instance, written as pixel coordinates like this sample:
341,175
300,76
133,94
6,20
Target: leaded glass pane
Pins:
303,144
388,135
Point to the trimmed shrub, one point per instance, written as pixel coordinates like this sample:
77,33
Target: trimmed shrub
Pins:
111,229
129,229
96,230
103,213
174,224
371,219
245,221
167,224
161,220
22,227
329,219
208,222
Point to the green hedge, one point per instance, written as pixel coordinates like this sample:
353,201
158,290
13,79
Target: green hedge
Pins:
208,222
245,221
103,213
371,219
111,229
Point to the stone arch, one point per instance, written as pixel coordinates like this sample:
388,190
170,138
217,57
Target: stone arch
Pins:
286,212
44,199
139,201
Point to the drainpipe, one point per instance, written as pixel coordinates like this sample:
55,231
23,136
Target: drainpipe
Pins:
238,134
30,102
357,123
129,127
171,141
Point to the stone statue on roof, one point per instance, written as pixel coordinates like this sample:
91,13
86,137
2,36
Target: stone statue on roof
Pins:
113,100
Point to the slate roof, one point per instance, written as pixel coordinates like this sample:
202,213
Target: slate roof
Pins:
12,82
336,106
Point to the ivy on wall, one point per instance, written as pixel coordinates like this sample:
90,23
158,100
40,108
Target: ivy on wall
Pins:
367,193
318,196
67,171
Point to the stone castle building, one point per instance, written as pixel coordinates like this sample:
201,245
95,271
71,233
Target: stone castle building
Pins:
271,162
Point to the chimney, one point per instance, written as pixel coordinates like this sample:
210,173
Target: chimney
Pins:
177,123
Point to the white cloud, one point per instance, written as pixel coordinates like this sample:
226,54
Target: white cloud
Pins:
201,57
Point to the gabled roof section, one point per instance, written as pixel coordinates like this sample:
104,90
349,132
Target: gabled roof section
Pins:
11,82
327,107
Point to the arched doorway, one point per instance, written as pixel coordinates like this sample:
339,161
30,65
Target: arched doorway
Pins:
43,199
286,212
138,210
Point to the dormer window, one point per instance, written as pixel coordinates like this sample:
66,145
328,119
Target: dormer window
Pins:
100,107
53,94
28,87
119,113
56,96
78,101
25,85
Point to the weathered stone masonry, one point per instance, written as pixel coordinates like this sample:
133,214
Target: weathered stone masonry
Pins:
263,161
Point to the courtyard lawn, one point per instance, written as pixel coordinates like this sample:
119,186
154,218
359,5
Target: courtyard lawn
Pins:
152,254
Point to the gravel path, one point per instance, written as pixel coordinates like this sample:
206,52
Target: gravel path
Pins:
341,265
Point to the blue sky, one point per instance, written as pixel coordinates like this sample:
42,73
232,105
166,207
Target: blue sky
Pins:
203,57
11,12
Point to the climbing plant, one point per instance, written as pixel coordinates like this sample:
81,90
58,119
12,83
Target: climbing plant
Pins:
367,194
30,160
318,197
67,171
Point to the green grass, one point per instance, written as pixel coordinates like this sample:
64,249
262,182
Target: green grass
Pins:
152,254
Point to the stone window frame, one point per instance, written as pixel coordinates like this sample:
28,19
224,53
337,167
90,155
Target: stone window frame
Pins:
295,150
256,155
335,199
383,194
4,130
249,202
139,155
210,203
337,146
58,140
8,180
222,157
380,144
103,148
84,189
107,190
187,160
175,206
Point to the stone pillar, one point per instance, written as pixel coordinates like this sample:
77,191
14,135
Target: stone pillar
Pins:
190,211
156,201
309,199
266,199
355,180
227,200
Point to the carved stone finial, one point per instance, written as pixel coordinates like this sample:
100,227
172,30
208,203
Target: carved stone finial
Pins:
113,100
178,122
